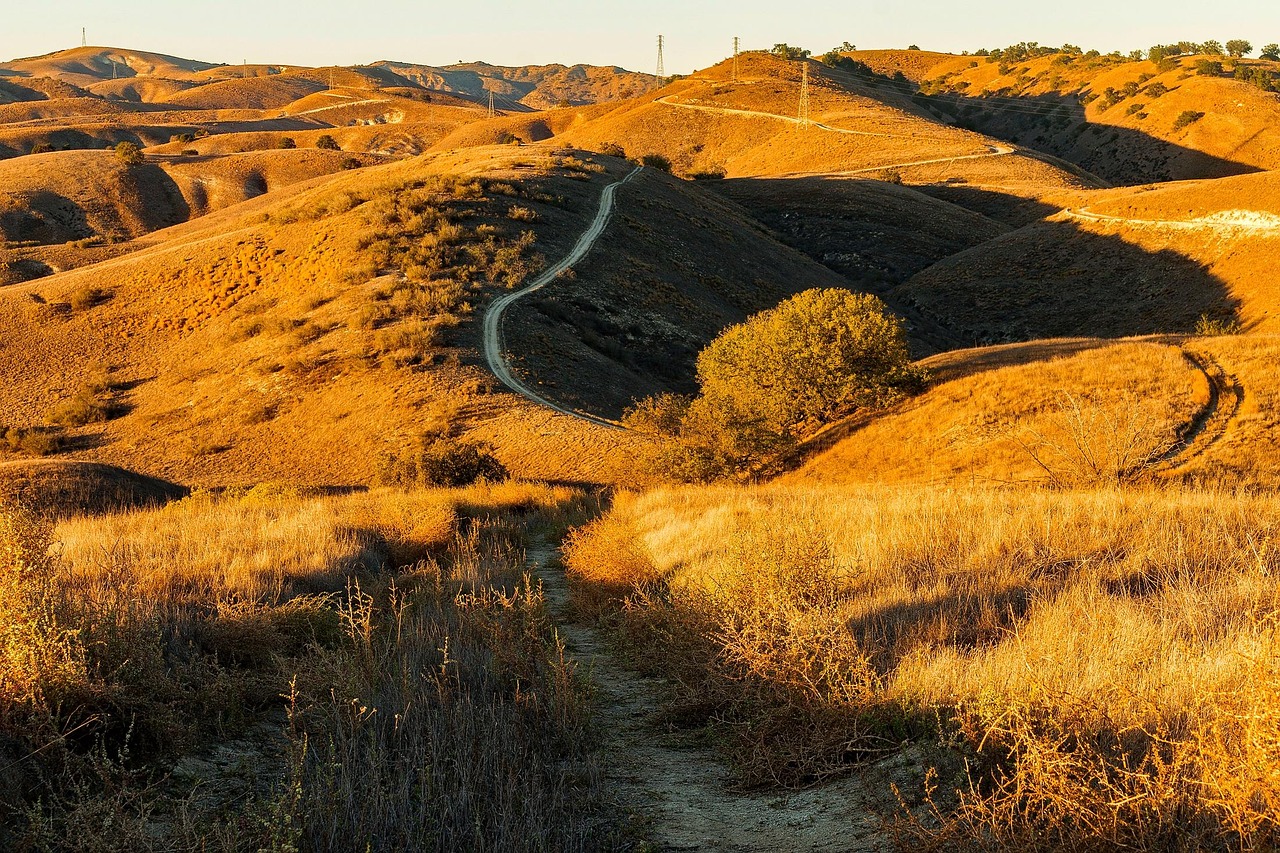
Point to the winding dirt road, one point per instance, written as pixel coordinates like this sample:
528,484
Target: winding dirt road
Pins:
1230,220
494,345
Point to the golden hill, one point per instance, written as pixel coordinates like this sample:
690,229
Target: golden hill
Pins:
1128,121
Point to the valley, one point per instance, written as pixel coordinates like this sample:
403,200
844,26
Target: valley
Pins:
867,451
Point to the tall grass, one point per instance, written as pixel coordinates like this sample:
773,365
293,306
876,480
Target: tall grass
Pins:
429,705
1103,660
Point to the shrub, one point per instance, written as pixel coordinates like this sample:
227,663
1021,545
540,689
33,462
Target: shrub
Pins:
613,149
288,143
87,406
1209,68
656,161
1157,89
1187,118
182,137
817,357
129,154
41,148
87,296
442,461
33,441
1213,327
522,214
351,163
327,143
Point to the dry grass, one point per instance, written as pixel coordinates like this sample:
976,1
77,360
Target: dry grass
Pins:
144,638
1104,660
1102,415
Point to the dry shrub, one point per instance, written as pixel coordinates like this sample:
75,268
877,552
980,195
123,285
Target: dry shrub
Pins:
606,562
40,658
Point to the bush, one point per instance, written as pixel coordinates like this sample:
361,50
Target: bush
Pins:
327,143
288,143
1214,327
33,441
443,462
351,163
656,161
1209,68
87,406
1187,118
765,383
1157,89
86,297
613,149
41,148
129,154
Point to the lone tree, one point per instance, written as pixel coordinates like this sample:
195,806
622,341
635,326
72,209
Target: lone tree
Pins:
1271,52
766,383
1239,47
327,143
129,153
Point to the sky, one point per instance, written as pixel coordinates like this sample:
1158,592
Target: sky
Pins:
698,32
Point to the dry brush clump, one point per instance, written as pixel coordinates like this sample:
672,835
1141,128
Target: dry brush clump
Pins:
1102,662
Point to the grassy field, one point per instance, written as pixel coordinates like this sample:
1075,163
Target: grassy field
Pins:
272,670
1100,664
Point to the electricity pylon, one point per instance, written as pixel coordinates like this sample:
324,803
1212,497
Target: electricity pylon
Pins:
662,69
735,58
492,113
804,93
84,36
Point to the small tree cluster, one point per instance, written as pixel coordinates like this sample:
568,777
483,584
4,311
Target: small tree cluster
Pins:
768,382
788,52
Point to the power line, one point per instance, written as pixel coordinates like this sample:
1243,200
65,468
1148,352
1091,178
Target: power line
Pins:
662,70
804,93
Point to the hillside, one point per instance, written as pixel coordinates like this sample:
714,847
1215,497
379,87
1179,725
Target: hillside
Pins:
1129,121
273,323
536,87
1117,262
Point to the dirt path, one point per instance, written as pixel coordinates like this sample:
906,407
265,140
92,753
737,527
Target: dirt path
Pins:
676,784
1211,422
1232,221
494,348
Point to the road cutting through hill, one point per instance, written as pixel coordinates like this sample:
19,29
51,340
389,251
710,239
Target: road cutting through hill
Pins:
494,349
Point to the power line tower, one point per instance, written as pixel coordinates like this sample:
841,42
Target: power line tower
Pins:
736,42
84,36
662,69
804,93
492,112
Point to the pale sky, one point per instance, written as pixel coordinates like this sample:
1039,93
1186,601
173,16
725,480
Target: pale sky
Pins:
698,32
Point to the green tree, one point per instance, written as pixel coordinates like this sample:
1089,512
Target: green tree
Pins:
1209,68
129,153
1271,52
786,51
1239,48
1213,47
328,143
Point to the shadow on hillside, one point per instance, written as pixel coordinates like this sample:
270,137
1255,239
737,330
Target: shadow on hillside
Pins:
1006,208
1054,279
1057,125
